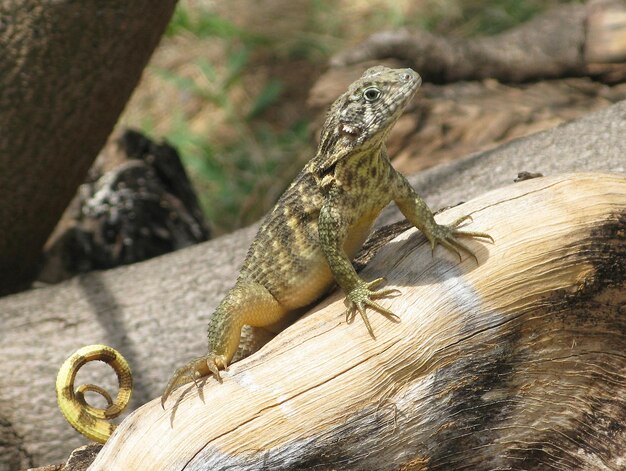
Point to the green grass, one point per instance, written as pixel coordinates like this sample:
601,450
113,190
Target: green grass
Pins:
237,181
484,17
202,23
234,185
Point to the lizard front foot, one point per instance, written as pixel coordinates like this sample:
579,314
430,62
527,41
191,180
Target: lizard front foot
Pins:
210,364
362,296
447,235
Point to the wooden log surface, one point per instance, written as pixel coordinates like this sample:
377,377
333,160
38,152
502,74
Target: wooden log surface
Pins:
155,312
516,362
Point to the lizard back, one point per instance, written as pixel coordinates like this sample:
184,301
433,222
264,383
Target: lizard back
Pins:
286,257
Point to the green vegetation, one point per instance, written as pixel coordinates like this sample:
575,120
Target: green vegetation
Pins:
203,23
236,178
238,174
241,159
483,17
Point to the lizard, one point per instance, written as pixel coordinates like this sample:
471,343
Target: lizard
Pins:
93,422
306,243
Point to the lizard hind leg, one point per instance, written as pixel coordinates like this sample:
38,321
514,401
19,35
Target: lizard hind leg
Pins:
210,364
248,303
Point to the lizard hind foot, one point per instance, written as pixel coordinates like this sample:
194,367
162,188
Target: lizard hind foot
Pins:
210,364
362,296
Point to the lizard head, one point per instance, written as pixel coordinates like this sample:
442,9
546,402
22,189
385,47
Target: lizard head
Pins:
362,117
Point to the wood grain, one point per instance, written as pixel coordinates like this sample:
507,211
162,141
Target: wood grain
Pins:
515,363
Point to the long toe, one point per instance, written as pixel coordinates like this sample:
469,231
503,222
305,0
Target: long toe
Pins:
451,247
361,309
384,293
461,220
181,376
464,248
373,284
472,234
384,311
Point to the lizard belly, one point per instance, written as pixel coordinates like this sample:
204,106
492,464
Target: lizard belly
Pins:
315,280
309,284
358,233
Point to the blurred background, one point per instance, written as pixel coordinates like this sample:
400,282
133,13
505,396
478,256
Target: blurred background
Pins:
229,83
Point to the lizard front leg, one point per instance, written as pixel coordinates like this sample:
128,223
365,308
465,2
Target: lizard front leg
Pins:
360,294
417,212
248,303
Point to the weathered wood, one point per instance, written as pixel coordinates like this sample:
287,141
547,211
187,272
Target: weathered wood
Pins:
567,41
516,361
137,203
155,312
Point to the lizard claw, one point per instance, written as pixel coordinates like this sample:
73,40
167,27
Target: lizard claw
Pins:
362,296
210,364
447,235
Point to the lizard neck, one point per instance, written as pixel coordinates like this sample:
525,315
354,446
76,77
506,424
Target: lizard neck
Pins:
363,157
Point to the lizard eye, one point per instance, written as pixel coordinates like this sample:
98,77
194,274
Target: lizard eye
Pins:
371,94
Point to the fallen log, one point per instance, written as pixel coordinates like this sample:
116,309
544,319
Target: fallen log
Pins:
155,312
566,41
517,361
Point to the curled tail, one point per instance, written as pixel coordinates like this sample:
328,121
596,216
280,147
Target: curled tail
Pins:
93,422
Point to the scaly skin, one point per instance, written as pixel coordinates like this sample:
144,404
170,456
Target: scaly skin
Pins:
307,241
92,422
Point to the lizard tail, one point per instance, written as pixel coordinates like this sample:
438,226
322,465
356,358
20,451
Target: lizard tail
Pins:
93,422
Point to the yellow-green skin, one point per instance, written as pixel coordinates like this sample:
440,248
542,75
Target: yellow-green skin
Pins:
92,422
307,241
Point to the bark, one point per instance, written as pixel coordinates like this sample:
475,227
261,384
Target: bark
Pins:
515,362
156,312
138,203
67,68
569,41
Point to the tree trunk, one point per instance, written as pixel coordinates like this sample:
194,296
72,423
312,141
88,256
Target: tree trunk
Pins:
156,312
66,70
517,361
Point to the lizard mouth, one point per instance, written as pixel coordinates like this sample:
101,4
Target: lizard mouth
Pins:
349,131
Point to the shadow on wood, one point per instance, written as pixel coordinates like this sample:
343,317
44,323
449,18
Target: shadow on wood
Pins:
516,361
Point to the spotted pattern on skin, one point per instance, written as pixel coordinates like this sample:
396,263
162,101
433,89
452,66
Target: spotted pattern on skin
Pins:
307,241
